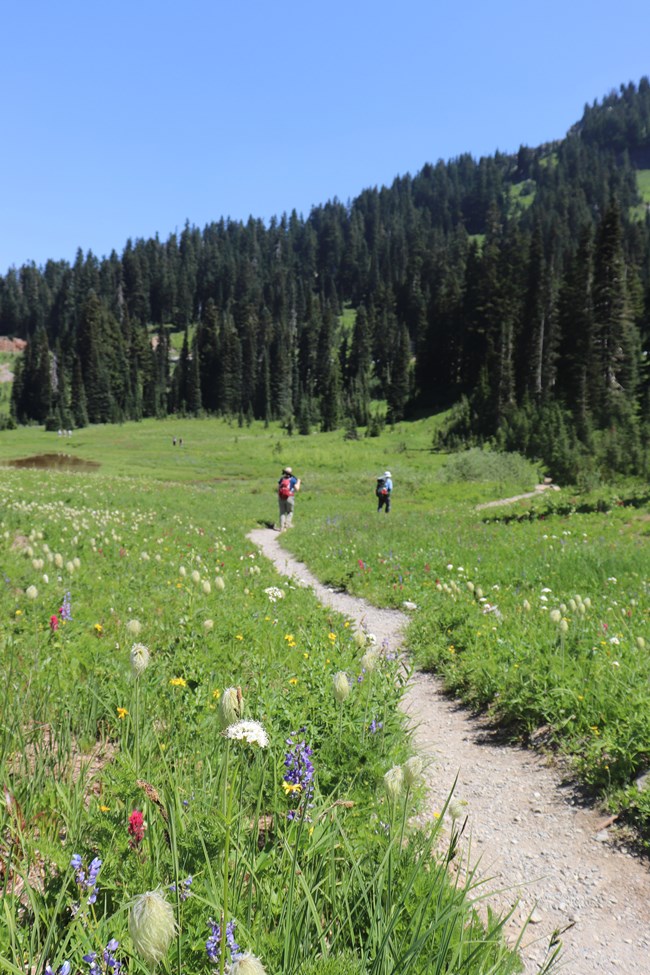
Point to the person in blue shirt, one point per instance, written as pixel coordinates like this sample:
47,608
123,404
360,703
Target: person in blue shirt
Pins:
384,490
288,486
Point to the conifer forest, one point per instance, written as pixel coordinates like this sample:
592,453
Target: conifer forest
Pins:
512,291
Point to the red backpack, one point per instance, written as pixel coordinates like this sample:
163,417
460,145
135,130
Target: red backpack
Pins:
284,487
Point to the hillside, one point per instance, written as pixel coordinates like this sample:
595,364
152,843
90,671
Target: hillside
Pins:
514,286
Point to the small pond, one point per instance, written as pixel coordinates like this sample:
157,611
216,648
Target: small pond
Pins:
56,462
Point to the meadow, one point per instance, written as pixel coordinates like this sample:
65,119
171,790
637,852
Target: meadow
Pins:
178,720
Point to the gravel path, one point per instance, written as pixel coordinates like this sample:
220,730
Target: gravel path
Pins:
539,850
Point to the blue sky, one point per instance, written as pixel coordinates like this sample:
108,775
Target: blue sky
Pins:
126,119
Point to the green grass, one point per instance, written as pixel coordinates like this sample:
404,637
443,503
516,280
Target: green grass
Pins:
156,536
643,184
522,195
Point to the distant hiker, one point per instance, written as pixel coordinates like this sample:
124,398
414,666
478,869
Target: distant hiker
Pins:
383,491
288,486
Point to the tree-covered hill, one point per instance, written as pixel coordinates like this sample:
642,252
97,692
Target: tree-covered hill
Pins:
514,286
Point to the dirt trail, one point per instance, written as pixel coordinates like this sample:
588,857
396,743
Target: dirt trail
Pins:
539,848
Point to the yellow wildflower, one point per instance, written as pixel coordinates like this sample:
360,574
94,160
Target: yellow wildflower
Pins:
332,636
239,637
216,694
98,628
291,787
122,713
293,680
104,809
178,682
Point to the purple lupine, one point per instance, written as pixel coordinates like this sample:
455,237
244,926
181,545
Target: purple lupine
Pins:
213,944
299,772
63,970
185,885
86,882
110,966
375,726
65,612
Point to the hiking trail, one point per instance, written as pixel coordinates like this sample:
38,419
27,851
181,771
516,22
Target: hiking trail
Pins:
539,848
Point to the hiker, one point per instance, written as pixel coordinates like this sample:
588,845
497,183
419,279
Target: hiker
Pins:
288,485
383,491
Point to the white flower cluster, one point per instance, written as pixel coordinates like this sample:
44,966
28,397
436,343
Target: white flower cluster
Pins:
251,732
274,593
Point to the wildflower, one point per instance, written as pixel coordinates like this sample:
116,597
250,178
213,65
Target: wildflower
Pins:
331,636
196,576
98,628
122,713
251,732
220,583
208,625
640,642
185,885
58,561
213,944
231,706
134,627
247,964
139,659
360,638
456,808
182,571
63,970
152,926
274,593
299,769
178,682
563,626
555,615
412,771
136,829
111,964
69,567
341,686
370,660
293,680
393,782
65,611
526,606
206,587
375,726
86,881
54,623
31,592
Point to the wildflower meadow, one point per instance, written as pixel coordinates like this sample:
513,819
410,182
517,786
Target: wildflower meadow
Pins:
203,770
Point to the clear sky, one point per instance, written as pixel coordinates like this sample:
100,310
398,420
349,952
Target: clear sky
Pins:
127,118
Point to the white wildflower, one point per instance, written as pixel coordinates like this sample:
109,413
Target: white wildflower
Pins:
412,771
152,926
251,732
139,659
341,686
394,782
